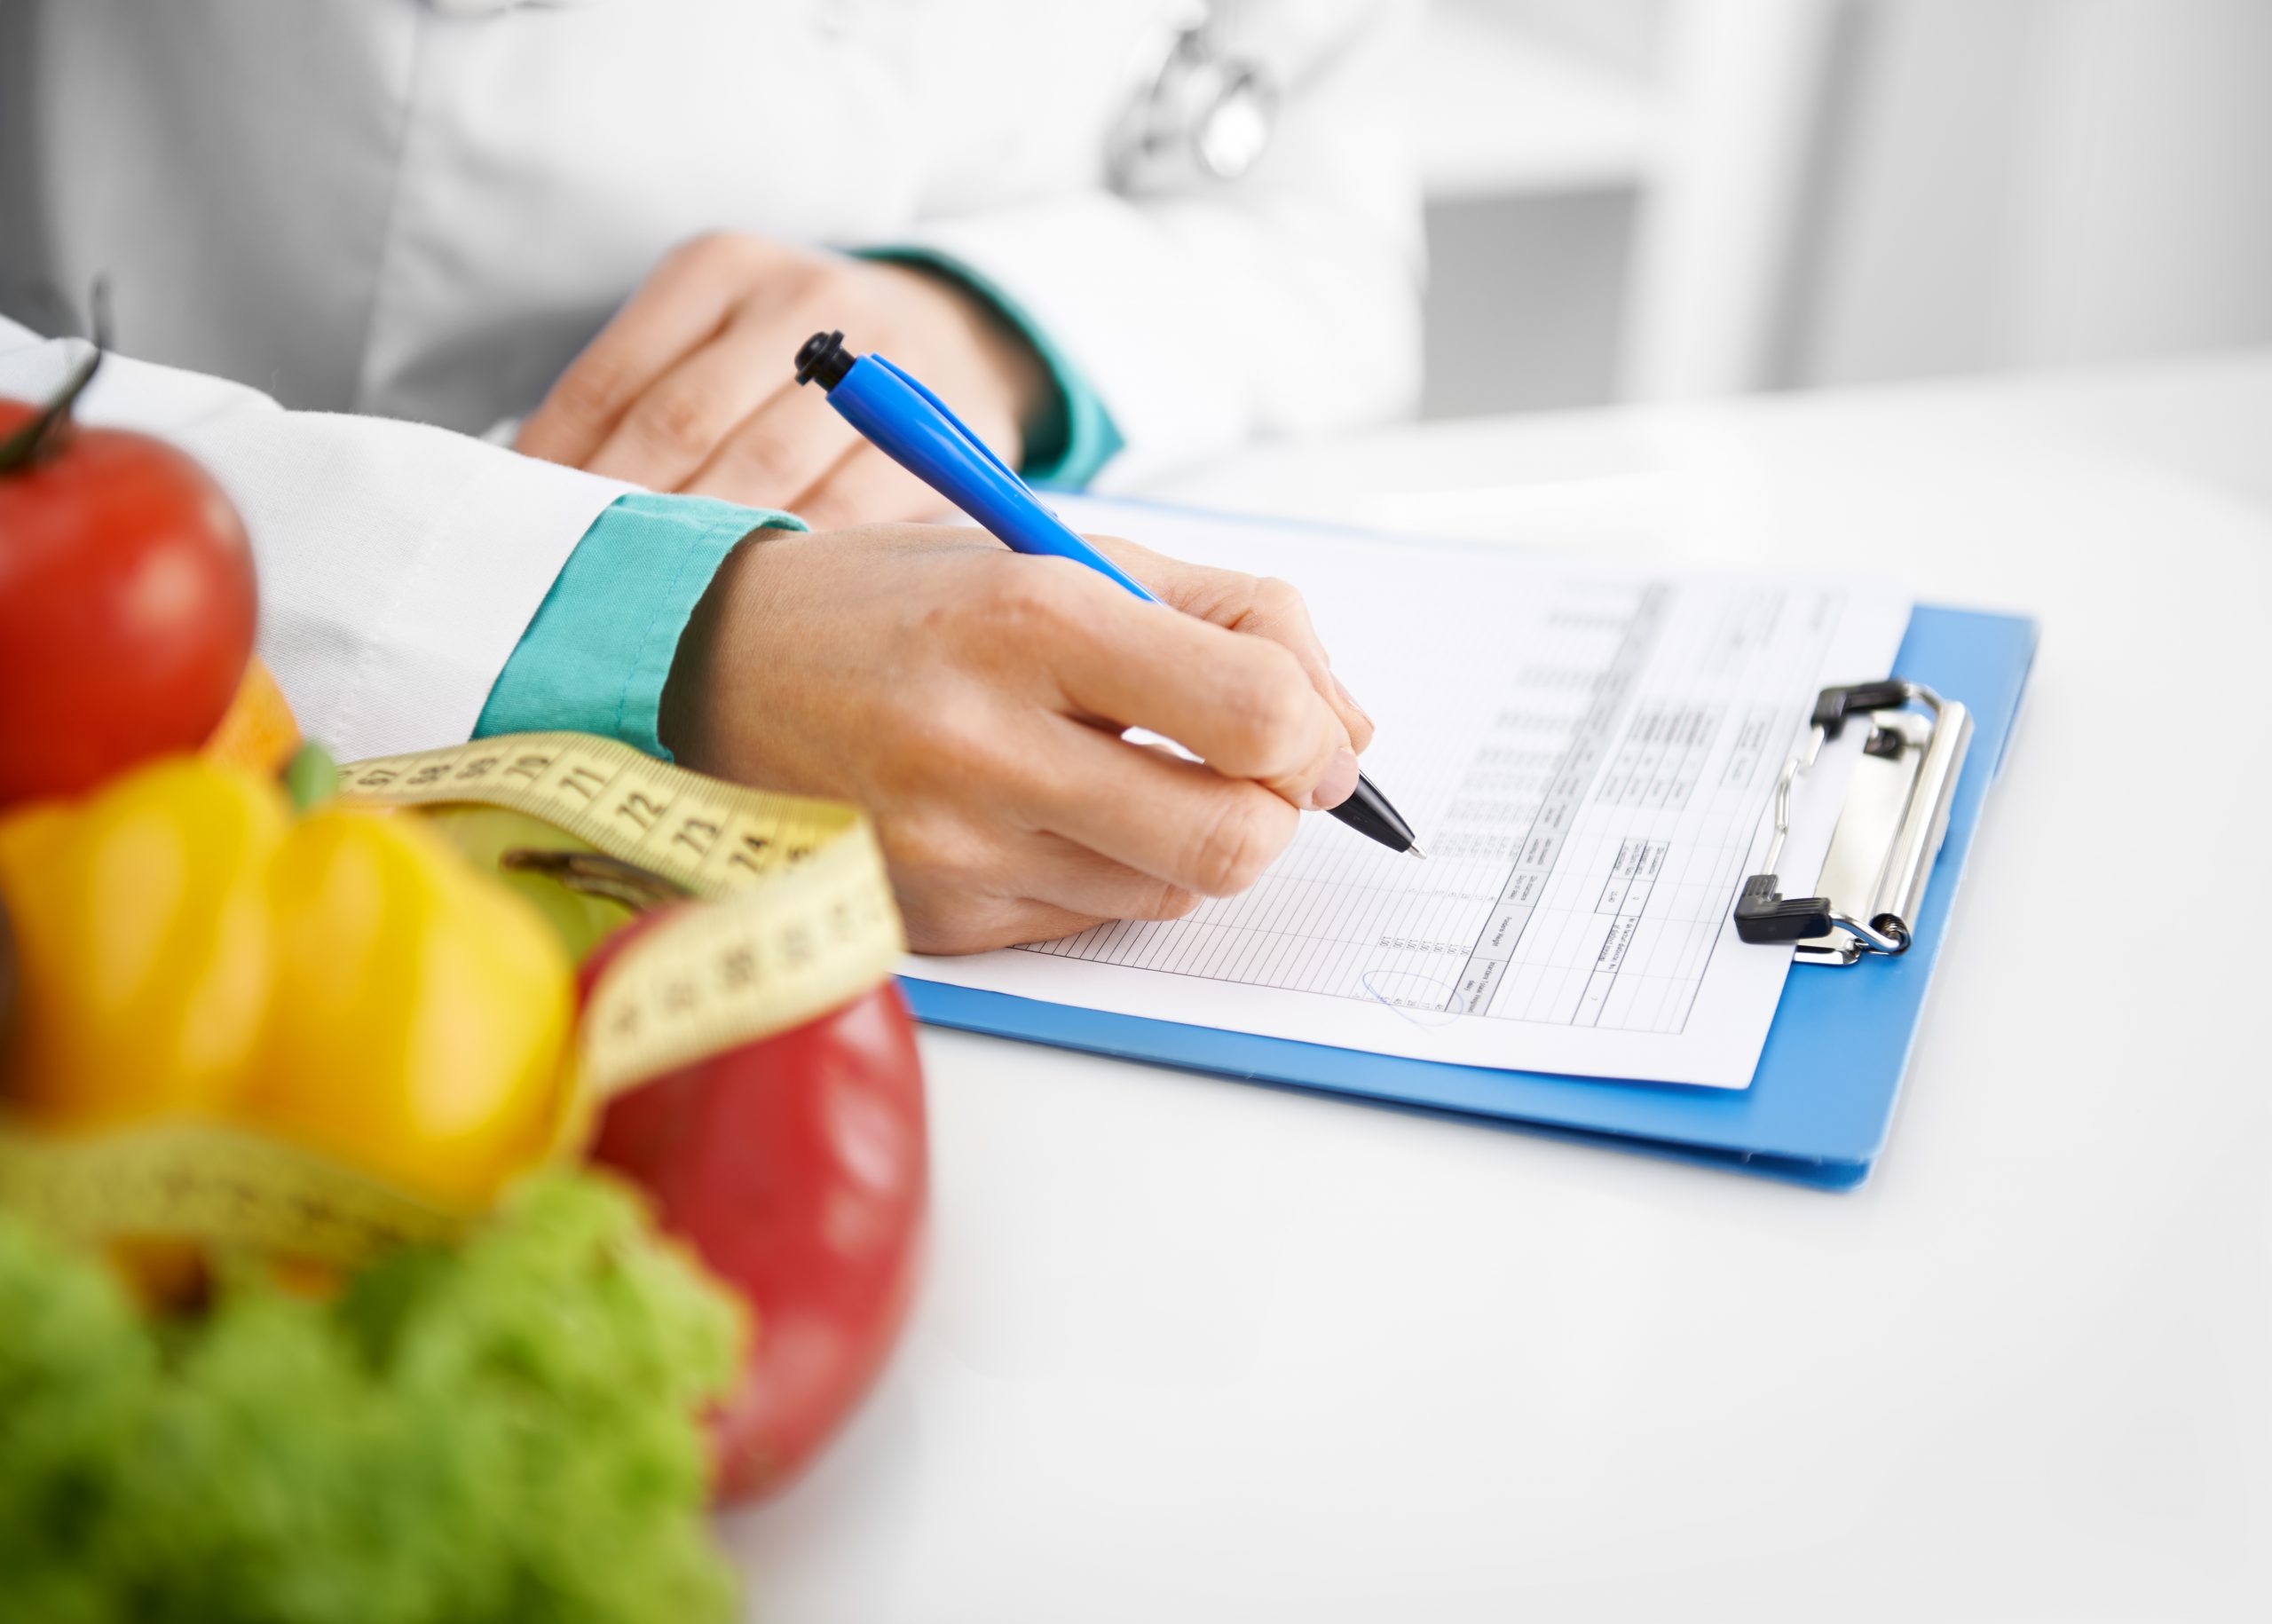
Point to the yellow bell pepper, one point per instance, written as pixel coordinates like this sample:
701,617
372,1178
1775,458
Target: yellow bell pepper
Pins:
143,944
347,982
421,1012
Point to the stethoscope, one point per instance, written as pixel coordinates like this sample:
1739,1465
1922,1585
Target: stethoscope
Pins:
1201,108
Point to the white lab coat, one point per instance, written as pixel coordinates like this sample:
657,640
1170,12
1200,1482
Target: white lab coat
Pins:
423,209
398,564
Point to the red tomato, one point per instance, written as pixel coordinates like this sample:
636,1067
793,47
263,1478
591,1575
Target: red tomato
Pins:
126,607
796,1166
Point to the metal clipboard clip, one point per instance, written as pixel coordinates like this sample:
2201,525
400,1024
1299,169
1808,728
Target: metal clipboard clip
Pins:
1888,832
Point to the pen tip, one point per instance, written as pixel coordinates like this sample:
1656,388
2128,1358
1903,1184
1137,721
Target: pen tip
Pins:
1415,849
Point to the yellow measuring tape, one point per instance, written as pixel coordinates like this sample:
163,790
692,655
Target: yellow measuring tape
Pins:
800,917
214,1182
795,919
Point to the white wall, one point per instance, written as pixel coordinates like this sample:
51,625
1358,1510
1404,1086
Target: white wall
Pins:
1983,186
2027,183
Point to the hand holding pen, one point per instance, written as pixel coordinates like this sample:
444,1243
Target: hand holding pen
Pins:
921,433
972,701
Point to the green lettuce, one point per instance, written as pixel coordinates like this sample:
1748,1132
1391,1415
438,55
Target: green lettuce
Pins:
508,1429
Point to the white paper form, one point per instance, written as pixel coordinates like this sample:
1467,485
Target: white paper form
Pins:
1587,752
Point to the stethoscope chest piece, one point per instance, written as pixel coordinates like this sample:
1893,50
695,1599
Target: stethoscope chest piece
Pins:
1206,111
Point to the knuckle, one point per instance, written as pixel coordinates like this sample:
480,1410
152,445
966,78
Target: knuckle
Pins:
1276,714
588,390
678,420
942,748
933,854
978,756
1169,902
1036,598
759,462
944,725
1276,598
711,247
1234,590
1234,848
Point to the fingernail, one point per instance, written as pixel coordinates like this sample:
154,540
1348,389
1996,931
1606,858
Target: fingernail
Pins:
1340,780
1350,699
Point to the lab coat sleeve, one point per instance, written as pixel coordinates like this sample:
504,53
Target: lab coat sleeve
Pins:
398,564
599,652
1284,302
1080,437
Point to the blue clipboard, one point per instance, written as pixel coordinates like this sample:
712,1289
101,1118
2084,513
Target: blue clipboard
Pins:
1819,1104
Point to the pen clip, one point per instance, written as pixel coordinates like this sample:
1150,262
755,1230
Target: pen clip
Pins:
960,427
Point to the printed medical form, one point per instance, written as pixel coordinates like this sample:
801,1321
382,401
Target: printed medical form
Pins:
1587,752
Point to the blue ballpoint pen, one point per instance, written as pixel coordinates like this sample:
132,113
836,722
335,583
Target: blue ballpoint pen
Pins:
914,428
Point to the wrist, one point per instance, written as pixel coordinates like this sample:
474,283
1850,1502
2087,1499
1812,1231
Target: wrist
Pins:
686,718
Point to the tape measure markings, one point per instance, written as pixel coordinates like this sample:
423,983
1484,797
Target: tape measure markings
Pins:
707,836
713,978
211,1181
798,920
800,917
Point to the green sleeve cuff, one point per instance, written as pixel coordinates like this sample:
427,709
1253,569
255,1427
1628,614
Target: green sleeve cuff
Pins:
596,656
1077,436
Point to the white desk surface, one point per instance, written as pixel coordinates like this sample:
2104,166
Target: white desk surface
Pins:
1193,1350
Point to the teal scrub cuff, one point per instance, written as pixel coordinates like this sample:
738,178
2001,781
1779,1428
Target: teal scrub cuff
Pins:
1077,436
596,656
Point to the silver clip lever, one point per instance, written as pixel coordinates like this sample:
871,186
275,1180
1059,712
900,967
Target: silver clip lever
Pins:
1873,904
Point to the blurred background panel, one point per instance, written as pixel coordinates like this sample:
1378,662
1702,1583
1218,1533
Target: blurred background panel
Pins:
1659,199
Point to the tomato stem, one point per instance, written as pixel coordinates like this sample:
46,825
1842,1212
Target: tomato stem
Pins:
43,436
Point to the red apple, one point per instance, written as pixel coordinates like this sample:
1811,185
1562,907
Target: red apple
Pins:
796,1166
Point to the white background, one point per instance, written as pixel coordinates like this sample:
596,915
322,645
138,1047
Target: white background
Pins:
1197,1350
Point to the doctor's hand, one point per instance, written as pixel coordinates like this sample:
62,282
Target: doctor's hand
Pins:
972,700
692,386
